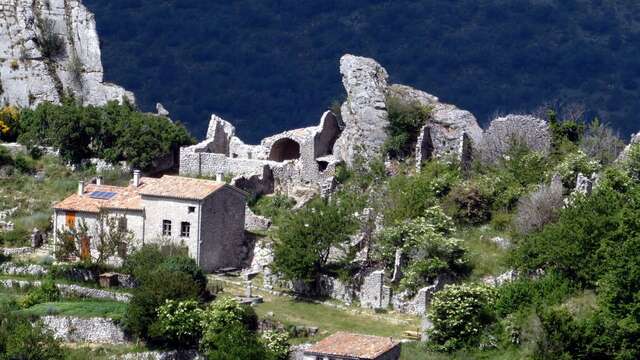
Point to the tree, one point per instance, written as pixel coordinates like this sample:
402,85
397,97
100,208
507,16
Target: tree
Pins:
305,238
69,240
405,121
601,143
111,236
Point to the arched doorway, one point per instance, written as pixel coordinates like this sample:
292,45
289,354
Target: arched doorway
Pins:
284,149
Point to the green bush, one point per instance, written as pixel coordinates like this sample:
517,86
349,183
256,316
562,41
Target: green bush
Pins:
47,292
551,289
113,132
19,339
467,204
425,246
274,207
405,121
459,313
5,157
156,287
573,164
187,265
51,44
179,323
305,237
276,344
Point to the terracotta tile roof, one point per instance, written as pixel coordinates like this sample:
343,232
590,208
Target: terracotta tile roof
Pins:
180,187
353,346
130,198
125,198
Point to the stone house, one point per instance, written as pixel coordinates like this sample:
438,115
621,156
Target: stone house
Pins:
206,217
347,346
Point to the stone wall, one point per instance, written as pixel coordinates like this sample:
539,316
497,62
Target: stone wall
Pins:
70,290
373,293
161,355
85,330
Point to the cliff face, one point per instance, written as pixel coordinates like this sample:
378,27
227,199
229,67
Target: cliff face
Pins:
49,48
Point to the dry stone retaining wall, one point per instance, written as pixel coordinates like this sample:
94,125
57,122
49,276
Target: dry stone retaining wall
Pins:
80,330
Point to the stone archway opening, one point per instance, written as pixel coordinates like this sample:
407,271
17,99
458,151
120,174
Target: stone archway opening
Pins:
284,149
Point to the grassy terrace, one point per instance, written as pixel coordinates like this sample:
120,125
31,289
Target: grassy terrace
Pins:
327,318
80,308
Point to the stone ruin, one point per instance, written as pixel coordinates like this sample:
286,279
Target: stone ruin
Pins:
301,163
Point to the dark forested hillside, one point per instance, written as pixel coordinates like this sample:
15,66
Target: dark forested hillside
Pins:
272,64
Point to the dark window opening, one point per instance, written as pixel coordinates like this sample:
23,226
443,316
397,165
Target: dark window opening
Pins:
185,229
166,227
322,165
192,209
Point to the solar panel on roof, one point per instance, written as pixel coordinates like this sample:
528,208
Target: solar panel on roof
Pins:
102,195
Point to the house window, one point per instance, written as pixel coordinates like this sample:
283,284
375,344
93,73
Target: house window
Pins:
166,227
192,209
185,229
122,224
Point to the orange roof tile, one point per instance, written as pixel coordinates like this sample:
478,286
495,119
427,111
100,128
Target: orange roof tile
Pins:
353,345
130,198
125,198
180,187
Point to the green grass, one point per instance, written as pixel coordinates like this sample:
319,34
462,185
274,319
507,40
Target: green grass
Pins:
485,256
102,352
80,308
416,351
329,319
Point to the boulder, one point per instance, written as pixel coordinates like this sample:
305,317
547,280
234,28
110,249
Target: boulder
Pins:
364,113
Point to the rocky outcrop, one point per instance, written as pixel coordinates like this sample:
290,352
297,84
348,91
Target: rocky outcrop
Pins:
624,155
506,131
445,132
49,48
80,330
364,113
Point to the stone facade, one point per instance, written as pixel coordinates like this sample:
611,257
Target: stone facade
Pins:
210,225
27,79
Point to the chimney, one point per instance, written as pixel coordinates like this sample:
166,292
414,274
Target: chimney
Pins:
136,178
99,180
80,188
220,177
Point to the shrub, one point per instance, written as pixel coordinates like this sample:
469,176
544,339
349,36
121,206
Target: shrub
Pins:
187,265
405,121
458,313
409,197
467,204
276,344
143,261
5,157
632,162
273,207
51,44
24,164
47,292
539,208
228,331
426,248
19,339
9,124
305,238
234,342
574,164
549,290
156,287
179,323
601,143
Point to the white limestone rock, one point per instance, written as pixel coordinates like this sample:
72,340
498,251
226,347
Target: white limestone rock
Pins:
26,78
524,129
364,113
444,134
635,139
161,110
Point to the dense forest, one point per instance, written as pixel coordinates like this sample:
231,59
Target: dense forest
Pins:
273,64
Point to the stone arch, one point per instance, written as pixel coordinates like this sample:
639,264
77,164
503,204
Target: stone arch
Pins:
284,149
327,136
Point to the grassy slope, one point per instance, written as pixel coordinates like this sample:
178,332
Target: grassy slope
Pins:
80,308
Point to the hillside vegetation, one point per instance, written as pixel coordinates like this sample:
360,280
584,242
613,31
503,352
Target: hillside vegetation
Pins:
273,65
